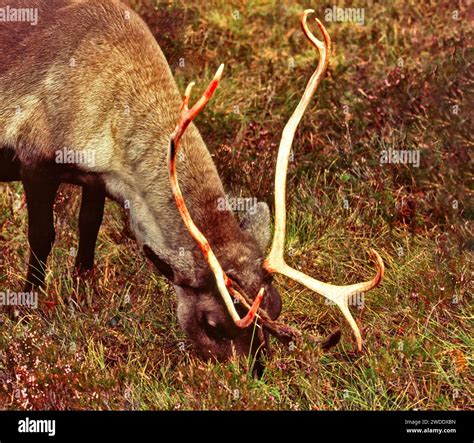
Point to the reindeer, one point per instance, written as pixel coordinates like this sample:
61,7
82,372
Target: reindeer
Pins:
40,195
120,99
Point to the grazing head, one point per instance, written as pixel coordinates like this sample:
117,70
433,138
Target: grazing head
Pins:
226,301
202,312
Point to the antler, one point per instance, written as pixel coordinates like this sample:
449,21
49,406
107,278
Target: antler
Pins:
223,282
275,261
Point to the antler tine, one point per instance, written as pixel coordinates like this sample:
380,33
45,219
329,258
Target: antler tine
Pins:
223,282
275,262
276,253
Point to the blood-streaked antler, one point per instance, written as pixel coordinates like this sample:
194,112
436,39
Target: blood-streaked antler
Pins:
275,262
223,282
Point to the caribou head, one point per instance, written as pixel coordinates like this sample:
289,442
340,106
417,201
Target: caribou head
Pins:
237,306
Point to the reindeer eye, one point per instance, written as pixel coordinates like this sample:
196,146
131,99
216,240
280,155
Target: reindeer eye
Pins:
212,327
215,331
212,323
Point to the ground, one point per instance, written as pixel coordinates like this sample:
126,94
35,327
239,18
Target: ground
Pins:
401,80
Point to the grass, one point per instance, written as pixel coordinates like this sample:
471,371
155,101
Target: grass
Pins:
113,342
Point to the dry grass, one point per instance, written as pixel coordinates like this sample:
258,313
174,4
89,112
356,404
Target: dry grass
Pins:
113,342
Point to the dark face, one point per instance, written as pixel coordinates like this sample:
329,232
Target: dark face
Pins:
206,321
201,311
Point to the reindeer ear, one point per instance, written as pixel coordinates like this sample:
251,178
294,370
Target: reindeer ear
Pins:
257,222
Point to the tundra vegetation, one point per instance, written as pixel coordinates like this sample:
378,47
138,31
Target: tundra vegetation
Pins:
381,159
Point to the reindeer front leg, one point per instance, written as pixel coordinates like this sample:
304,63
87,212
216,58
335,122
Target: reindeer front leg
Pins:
40,194
90,219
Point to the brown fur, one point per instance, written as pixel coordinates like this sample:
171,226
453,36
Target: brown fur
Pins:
122,65
74,76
